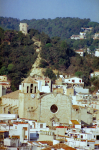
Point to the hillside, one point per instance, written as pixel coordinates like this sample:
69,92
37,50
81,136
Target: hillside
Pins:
37,54
61,27
17,54
36,70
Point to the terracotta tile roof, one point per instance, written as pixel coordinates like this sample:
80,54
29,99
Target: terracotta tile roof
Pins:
90,140
79,51
61,127
59,146
75,122
29,80
3,84
50,143
3,131
3,148
79,100
75,106
64,146
20,123
16,136
7,82
13,95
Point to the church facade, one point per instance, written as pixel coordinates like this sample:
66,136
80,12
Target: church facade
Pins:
29,103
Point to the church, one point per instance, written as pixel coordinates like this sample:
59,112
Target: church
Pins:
28,102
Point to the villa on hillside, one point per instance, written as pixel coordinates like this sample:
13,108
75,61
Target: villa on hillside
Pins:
97,53
96,36
95,73
80,52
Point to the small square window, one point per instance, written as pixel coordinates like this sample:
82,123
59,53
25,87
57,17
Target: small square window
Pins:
41,125
31,107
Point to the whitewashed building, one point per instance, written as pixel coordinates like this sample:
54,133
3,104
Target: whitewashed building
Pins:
97,53
80,52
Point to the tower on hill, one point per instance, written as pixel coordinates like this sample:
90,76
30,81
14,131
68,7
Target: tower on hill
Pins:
23,27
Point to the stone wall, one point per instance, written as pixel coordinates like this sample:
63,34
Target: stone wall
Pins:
55,107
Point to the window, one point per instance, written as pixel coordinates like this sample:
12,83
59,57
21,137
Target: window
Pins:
73,80
31,107
96,146
54,108
15,127
27,89
81,136
1,136
31,91
41,125
46,84
97,137
35,90
94,118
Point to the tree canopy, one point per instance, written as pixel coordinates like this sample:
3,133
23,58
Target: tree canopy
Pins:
61,27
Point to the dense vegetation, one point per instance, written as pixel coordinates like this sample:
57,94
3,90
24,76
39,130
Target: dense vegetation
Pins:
17,51
58,55
17,54
84,44
61,27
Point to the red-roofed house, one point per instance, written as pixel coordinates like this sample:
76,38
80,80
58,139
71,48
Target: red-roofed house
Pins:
80,52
